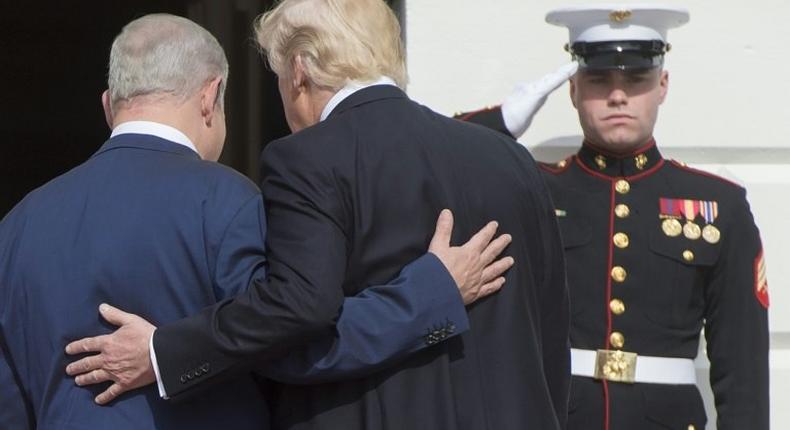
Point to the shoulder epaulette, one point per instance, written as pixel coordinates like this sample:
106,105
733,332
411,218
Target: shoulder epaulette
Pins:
556,167
464,116
683,166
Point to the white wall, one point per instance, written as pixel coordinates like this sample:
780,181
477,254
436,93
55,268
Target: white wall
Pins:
728,109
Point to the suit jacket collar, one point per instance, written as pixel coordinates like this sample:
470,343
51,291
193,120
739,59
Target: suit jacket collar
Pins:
145,141
367,95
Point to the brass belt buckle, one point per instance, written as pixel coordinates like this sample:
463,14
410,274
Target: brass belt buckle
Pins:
615,366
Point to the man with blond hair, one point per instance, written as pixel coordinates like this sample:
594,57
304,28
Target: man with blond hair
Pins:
351,196
151,223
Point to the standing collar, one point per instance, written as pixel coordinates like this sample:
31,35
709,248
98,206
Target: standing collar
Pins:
154,129
605,163
349,89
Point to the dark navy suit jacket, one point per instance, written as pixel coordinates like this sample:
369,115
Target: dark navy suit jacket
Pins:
149,227
352,199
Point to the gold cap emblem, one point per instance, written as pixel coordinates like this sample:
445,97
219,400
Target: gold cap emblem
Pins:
620,15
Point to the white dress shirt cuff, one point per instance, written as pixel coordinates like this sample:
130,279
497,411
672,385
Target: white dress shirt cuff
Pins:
159,382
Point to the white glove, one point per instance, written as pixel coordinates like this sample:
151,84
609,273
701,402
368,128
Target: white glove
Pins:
526,100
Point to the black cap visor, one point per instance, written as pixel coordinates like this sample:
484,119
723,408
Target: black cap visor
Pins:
622,55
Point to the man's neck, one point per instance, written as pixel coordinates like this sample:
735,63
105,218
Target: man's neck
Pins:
169,114
349,89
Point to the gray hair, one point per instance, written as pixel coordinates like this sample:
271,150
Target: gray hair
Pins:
162,54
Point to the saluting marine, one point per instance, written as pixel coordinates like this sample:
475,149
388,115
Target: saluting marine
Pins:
655,250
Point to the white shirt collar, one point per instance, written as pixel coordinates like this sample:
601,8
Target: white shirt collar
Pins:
154,129
349,89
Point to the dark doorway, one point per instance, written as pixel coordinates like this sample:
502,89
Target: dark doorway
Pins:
55,69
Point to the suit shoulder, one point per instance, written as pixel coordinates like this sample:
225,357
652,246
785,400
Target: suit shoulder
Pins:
221,178
322,141
473,130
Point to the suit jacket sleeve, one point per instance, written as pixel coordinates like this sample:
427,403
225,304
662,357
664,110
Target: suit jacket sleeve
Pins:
379,326
737,326
555,313
14,411
297,301
488,117
300,298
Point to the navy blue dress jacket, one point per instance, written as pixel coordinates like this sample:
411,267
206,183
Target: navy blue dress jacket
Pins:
149,227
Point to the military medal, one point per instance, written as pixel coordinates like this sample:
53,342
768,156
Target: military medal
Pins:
709,211
670,213
671,227
711,234
692,231
690,209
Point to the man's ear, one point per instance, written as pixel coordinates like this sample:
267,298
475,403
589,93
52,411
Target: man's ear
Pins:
106,104
209,99
299,76
572,90
664,84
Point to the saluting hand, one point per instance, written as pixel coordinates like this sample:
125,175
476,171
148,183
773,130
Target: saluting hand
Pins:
123,356
472,265
526,100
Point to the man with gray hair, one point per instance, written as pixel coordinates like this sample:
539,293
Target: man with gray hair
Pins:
351,197
153,224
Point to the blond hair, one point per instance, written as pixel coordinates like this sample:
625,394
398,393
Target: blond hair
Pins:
337,41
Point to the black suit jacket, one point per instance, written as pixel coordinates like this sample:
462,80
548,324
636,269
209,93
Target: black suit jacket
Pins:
349,202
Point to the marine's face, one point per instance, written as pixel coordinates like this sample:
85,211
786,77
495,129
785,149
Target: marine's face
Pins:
618,109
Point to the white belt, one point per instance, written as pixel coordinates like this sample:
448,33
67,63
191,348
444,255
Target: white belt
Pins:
616,366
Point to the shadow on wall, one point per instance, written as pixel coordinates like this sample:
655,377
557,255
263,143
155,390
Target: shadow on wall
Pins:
556,148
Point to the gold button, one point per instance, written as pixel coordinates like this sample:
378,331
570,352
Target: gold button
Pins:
622,211
618,274
562,163
617,306
620,240
617,339
688,255
691,427
622,186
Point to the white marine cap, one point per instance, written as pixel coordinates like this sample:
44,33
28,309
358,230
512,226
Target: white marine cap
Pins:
642,28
